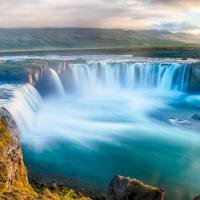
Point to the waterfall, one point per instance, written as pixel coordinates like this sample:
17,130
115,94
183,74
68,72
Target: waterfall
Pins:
23,106
56,82
166,76
24,101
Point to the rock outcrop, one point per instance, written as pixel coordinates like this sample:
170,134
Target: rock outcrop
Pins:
13,175
195,117
124,188
197,198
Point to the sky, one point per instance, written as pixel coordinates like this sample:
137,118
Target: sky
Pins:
169,15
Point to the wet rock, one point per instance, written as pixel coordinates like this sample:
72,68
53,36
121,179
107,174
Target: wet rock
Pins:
197,198
53,186
124,188
183,122
60,186
195,117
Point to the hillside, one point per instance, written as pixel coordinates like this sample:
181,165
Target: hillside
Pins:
69,38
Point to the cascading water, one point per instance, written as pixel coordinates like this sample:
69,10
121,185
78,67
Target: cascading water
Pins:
56,82
169,76
23,103
122,119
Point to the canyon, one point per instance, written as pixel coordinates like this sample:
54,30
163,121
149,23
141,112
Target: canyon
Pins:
78,111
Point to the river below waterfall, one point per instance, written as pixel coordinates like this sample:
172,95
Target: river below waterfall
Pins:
90,138
121,119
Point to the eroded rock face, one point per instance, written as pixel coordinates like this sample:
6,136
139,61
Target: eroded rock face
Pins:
13,175
124,188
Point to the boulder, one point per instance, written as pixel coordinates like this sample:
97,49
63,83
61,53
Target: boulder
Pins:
53,185
182,122
195,117
124,188
197,198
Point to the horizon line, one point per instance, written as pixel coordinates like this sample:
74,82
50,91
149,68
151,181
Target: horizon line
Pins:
92,28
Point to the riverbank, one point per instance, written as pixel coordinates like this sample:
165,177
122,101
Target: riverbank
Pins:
180,51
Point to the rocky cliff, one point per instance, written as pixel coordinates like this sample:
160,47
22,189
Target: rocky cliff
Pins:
13,175
124,188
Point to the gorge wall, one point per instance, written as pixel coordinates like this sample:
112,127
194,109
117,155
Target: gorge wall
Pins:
183,77
37,72
13,175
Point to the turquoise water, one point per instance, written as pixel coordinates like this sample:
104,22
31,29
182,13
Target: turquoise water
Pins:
87,138
111,117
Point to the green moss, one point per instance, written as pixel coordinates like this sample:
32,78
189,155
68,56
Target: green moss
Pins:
64,194
5,136
3,177
71,194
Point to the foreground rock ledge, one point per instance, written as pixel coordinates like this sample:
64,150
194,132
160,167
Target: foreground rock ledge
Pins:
124,188
197,198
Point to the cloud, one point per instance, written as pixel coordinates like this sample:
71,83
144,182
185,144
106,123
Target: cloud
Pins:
178,4
177,27
127,14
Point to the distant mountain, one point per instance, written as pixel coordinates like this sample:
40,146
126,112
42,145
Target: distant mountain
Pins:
183,37
64,38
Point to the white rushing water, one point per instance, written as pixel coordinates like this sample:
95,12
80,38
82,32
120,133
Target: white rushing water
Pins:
56,82
23,102
136,83
167,76
117,114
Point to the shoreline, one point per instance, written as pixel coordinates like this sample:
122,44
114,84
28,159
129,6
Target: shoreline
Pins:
182,51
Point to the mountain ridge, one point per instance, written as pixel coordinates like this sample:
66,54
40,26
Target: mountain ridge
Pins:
61,38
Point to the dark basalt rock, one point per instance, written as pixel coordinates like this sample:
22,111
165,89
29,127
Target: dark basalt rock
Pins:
53,185
195,117
124,188
182,122
197,198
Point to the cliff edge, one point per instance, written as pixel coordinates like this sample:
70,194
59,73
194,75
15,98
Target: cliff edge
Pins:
13,175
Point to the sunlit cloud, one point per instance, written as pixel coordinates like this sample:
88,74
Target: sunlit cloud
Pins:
179,15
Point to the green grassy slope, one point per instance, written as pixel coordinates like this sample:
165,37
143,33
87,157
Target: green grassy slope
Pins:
69,38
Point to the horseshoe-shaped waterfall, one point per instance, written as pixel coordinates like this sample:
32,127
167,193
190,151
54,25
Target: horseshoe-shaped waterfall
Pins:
111,117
